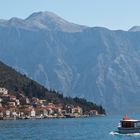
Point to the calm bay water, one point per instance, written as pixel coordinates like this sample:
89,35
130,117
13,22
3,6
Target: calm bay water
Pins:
98,128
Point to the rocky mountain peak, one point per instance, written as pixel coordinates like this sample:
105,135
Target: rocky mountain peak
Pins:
50,21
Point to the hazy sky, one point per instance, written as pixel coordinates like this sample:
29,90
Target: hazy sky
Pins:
113,14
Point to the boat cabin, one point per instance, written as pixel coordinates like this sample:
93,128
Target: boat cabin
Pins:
127,126
129,123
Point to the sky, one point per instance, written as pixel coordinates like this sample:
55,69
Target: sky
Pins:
112,14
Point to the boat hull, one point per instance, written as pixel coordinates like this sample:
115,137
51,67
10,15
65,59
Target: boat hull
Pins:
128,130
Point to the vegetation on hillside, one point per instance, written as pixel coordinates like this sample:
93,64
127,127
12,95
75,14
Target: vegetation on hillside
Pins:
17,83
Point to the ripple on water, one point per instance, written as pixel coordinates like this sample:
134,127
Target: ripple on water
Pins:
131,134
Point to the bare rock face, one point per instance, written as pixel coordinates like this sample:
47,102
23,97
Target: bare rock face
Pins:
96,63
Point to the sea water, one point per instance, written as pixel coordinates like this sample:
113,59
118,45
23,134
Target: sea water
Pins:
95,128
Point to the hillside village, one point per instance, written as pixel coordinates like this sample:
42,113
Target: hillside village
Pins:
22,107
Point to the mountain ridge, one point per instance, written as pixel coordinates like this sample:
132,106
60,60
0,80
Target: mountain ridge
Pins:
56,18
45,21
99,64
134,29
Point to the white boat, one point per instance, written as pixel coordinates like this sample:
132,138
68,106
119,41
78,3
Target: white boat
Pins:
128,126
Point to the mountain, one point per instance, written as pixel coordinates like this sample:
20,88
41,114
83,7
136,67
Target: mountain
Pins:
134,29
42,21
92,62
17,83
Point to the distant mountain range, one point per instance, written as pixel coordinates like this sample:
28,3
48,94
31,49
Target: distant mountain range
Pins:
96,63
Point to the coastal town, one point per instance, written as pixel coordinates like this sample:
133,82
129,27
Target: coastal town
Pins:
22,107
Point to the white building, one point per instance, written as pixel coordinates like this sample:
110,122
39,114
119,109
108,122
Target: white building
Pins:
14,114
3,91
7,113
1,100
1,114
17,101
45,112
33,113
27,101
77,110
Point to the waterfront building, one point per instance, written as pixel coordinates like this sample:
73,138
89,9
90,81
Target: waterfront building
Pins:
33,113
1,115
77,110
93,112
7,113
14,114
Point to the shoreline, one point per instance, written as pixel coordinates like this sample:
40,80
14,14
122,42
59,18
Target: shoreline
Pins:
52,117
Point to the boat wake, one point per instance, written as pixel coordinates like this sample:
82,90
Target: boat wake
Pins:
131,134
